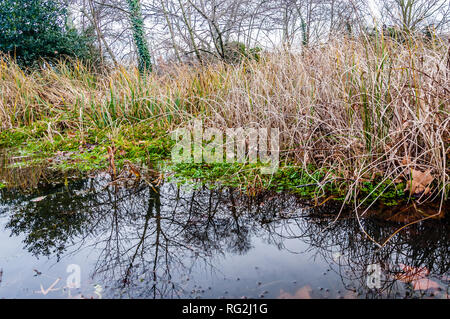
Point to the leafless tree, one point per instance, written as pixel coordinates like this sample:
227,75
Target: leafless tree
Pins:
413,15
204,30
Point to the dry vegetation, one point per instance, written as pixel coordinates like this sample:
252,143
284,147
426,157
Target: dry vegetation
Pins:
360,108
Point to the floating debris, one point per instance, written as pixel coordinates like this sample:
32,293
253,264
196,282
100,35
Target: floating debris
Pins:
37,272
38,199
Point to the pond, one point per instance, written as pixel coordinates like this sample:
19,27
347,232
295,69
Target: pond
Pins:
87,237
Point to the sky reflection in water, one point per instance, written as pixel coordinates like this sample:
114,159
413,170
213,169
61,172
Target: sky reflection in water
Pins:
136,241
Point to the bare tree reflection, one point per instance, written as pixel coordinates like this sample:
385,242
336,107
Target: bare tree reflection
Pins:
148,235
420,246
149,239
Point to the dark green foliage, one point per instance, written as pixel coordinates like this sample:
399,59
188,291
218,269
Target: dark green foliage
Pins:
137,24
45,225
429,32
235,51
35,30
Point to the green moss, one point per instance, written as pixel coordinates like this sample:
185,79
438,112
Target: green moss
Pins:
248,176
385,191
88,151
307,183
15,136
142,143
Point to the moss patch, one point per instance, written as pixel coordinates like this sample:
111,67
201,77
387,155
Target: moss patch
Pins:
142,143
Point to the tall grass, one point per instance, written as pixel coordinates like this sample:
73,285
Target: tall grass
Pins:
357,107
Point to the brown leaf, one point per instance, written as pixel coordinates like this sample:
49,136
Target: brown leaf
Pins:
423,178
38,199
405,160
425,284
350,295
135,171
411,274
302,293
112,165
419,182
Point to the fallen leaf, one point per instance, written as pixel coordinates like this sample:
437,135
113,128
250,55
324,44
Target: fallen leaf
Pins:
38,199
405,160
302,293
417,277
38,273
351,295
112,165
135,172
90,146
425,284
419,182
410,274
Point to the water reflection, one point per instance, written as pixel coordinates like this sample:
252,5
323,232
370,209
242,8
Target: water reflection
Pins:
165,241
417,256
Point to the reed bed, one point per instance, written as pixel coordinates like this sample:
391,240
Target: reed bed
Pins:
357,108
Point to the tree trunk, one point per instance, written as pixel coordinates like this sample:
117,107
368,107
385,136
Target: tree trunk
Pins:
137,25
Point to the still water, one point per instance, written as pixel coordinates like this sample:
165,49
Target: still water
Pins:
90,238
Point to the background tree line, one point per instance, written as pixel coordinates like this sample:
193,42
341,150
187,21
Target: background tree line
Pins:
153,31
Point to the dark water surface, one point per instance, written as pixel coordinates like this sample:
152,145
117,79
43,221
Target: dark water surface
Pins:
140,241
